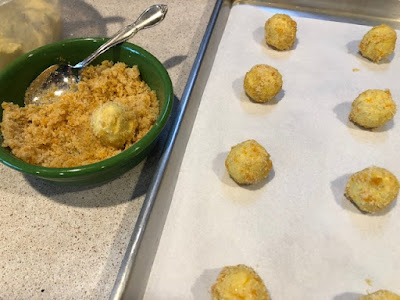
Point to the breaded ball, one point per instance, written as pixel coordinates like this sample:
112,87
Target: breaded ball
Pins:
113,124
380,295
239,282
262,83
373,108
372,189
378,43
248,162
280,31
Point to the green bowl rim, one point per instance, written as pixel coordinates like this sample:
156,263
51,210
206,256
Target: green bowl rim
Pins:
111,162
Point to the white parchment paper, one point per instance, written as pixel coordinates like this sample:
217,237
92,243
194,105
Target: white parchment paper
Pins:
295,229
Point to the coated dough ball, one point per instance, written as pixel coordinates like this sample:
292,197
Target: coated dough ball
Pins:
248,162
112,124
373,108
372,189
239,282
380,295
378,43
280,31
262,83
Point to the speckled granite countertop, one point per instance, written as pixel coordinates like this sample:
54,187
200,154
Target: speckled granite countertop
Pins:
67,242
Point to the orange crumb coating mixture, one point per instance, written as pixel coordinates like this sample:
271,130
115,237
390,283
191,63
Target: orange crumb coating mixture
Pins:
59,134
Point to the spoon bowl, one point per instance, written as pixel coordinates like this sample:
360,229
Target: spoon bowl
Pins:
60,78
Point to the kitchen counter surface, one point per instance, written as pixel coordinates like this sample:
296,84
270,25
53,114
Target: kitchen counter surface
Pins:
68,242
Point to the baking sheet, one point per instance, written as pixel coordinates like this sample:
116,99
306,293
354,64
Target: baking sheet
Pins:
295,229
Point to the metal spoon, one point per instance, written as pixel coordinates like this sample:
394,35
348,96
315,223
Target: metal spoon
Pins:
60,78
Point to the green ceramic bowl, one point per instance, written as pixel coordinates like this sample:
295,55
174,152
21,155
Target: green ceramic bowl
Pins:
15,78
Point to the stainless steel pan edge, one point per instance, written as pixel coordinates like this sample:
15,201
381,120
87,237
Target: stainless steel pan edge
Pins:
364,12
136,266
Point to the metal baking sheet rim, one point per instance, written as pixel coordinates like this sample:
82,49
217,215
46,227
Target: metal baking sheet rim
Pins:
135,268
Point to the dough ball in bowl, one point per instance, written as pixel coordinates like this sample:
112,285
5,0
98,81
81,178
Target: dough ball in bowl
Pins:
378,43
248,162
280,31
380,295
373,108
239,282
372,189
112,124
262,83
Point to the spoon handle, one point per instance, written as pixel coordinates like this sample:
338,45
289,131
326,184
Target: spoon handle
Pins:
149,18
